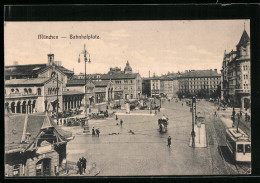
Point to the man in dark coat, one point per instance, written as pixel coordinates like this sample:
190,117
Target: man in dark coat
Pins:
97,132
84,164
169,141
79,165
121,122
93,131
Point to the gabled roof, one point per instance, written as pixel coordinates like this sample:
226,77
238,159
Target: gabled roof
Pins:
200,73
244,39
59,68
24,70
16,126
119,76
32,69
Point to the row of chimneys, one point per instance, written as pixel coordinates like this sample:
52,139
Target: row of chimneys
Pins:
186,71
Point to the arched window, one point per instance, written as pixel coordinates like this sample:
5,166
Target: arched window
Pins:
12,90
17,90
39,91
25,90
30,90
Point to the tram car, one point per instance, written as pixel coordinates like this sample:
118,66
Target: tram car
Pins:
162,123
239,144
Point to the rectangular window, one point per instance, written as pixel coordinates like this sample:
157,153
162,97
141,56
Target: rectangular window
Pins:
247,148
239,147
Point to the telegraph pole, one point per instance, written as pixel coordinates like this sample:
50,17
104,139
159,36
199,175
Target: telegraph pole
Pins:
57,116
193,121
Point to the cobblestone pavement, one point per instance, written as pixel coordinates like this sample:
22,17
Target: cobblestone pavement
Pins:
145,152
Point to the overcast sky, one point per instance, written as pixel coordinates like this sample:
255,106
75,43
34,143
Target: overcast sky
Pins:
158,46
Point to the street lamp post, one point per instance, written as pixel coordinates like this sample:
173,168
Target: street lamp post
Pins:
85,53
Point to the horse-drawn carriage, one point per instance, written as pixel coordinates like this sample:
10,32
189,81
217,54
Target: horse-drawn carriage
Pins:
163,123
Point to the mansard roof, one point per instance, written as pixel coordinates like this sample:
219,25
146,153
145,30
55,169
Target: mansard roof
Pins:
244,39
200,73
32,69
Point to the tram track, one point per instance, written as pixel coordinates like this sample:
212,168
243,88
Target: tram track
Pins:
236,168
213,129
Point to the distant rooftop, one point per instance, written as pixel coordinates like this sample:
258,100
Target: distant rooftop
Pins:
200,73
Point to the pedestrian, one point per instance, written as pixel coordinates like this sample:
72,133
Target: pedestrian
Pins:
93,131
79,164
159,109
234,112
160,127
215,113
121,122
84,164
116,117
97,132
155,112
169,141
182,104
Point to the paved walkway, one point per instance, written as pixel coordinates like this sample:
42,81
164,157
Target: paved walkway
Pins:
200,138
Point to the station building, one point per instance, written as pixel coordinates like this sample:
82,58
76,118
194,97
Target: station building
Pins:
36,88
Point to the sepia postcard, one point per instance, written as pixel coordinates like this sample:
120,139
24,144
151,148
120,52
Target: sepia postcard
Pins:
127,98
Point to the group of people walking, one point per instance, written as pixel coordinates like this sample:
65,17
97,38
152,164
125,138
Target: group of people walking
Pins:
82,164
95,132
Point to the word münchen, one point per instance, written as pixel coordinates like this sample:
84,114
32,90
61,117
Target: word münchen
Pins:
91,36
42,36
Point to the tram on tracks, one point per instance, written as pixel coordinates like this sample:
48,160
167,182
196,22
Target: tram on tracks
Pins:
239,144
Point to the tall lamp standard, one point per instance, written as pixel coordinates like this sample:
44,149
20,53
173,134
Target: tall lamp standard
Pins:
86,59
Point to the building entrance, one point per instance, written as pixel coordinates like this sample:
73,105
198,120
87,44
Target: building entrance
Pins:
43,167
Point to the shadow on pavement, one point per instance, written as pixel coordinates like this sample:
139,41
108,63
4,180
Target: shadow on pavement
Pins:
227,156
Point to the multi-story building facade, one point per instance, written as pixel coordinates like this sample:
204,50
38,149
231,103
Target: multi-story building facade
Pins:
195,82
236,76
36,88
165,85
155,86
127,85
169,85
